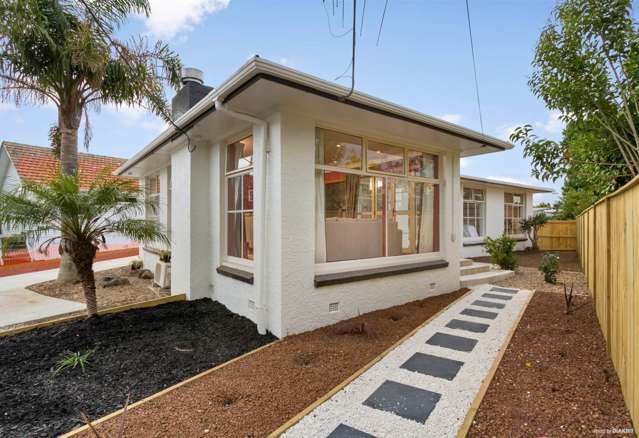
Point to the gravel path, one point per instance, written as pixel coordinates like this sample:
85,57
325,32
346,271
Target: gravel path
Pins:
426,385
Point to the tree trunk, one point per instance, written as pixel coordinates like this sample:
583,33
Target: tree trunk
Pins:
83,254
69,124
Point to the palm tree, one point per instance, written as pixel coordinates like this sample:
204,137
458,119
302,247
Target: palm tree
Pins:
64,52
79,219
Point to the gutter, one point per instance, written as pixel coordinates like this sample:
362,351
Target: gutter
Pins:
257,69
261,303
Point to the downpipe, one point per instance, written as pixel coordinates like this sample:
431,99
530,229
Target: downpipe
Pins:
261,305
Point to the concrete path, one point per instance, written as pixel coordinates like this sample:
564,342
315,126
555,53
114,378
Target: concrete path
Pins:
425,387
19,305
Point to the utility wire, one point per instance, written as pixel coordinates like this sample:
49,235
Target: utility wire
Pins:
328,22
381,24
472,51
353,51
361,21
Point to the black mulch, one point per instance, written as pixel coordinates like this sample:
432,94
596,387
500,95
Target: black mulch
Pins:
136,354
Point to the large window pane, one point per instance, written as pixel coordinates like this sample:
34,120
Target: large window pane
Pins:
234,193
247,236
422,164
239,155
513,212
234,234
385,158
339,150
353,231
474,213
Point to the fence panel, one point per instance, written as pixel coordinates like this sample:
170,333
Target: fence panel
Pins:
608,247
558,236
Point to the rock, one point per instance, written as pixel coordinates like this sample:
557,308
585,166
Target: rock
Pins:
145,274
114,281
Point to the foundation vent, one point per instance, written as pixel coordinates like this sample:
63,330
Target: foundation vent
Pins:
333,307
433,286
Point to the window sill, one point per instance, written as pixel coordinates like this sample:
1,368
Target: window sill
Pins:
471,243
237,274
386,271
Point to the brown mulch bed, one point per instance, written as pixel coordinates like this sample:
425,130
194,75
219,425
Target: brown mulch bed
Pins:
257,394
555,379
137,291
568,260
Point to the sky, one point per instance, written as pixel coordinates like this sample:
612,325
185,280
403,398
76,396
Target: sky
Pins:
422,61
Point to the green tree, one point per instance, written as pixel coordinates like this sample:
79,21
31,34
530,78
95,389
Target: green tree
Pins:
87,217
586,65
531,226
65,52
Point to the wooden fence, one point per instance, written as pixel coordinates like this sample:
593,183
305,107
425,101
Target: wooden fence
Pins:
558,236
608,248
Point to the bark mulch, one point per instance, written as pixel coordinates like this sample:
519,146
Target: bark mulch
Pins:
137,291
568,260
135,354
555,379
255,395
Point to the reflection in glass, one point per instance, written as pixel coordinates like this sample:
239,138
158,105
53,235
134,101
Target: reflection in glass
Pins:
422,164
385,158
239,155
339,150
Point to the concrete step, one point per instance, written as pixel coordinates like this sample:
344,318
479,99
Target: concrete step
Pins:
475,268
485,277
465,262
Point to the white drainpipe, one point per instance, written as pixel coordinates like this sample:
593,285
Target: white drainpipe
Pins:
261,305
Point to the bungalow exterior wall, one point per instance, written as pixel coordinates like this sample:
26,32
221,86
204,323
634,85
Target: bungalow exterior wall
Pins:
294,303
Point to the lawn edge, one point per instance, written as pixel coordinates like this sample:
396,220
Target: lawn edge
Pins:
474,407
139,305
298,417
165,391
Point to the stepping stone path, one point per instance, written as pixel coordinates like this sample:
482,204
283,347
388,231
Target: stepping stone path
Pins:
426,385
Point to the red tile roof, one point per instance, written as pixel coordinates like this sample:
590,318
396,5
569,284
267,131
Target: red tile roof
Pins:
38,164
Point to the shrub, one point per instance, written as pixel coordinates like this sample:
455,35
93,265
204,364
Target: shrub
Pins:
501,251
531,226
165,256
550,266
73,360
136,265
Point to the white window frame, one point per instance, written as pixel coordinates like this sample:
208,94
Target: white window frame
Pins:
482,236
513,205
348,265
152,197
228,260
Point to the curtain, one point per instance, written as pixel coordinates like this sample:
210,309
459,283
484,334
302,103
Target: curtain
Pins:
352,187
320,222
427,217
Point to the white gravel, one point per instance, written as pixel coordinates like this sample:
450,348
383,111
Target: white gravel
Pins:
457,395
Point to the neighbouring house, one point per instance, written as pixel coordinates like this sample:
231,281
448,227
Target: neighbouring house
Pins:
20,162
297,203
492,208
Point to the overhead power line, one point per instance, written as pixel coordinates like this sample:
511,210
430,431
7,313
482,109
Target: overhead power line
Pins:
472,51
381,24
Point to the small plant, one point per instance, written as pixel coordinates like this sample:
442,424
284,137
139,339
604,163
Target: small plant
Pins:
568,297
550,266
136,265
73,360
531,226
165,256
501,251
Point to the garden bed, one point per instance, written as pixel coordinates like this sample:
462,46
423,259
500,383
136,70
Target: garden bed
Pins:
136,291
258,393
135,354
568,260
555,378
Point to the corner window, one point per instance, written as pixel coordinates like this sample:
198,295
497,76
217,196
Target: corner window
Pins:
474,213
513,212
239,199
361,214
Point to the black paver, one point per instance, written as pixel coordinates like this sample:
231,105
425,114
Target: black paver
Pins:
497,296
490,304
433,366
479,313
344,431
460,324
406,401
504,289
453,342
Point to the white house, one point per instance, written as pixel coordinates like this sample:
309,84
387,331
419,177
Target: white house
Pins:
492,208
297,204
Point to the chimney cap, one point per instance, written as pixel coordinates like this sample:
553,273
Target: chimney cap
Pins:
191,74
